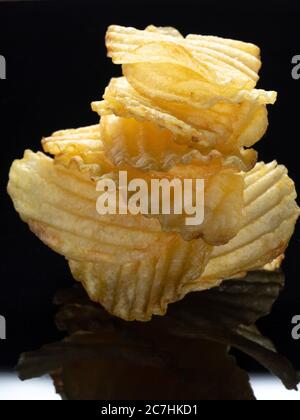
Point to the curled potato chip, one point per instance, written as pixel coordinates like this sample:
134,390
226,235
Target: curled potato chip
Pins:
58,198
73,141
202,89
145,146
122,100
217,62
176,84
138,290
222,202
270,215
192,70
225,128
80,148
59,205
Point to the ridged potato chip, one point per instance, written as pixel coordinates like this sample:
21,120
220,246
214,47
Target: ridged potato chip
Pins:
202,89
194,70
222,199
220,129
145,146
216,62
59,204
270,215
142,145
138,290
73,141
80,148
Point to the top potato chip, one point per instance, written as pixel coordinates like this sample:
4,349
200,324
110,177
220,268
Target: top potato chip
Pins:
213,69
200,88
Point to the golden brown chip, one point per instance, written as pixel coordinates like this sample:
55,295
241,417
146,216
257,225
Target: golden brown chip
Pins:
80,148
270,215
62,202
141,289
225,128
201,89
216,59
74,141
59,205
222,199
146,146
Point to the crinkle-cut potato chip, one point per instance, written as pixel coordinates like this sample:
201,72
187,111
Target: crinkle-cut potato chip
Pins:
142,145
223,204
270,215
225,128
145,146
73,141
186,70
223,199
175,83
247,47
138,290
59,204
80,148
217,62
122,100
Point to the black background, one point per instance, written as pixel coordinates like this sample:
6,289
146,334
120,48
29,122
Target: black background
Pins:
56,65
